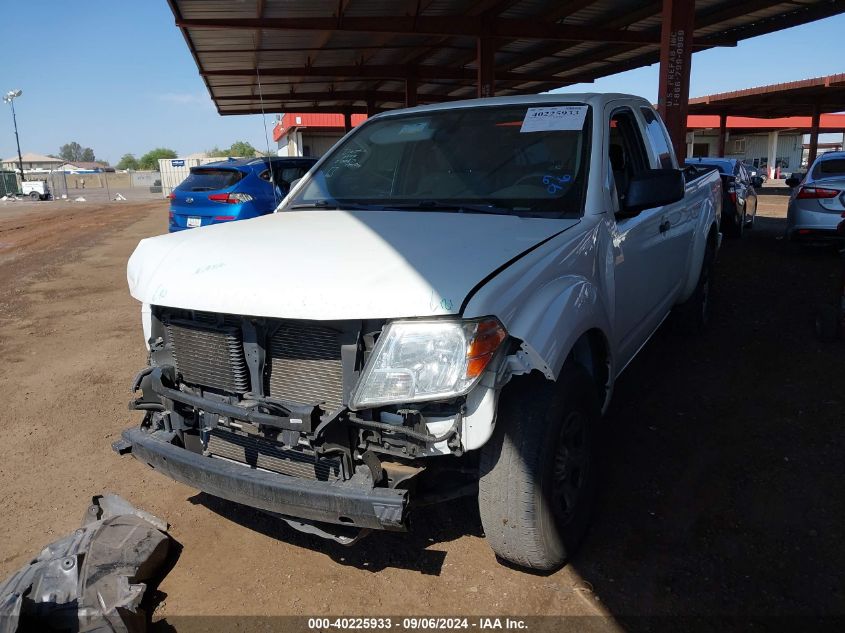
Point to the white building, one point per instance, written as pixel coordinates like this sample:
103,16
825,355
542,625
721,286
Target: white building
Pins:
751,148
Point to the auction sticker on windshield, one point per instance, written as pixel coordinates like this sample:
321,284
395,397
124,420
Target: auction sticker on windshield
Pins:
554,118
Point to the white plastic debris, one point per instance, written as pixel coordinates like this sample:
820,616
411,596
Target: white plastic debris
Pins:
80,199
119,197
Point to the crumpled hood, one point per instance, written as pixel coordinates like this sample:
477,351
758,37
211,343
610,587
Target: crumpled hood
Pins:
326,265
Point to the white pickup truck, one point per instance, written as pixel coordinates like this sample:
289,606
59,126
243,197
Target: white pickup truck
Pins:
440,307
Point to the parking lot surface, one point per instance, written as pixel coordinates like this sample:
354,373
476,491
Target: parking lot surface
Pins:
724,486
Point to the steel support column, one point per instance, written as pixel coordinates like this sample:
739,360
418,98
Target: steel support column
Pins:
723,133
772,158
347,121
675,57
814,135
485,58
410,92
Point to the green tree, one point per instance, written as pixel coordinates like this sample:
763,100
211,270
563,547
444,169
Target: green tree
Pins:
73,152
240,149
149,161
127,161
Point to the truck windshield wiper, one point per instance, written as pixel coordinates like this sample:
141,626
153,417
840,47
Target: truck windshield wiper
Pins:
317,204
324,204
460,207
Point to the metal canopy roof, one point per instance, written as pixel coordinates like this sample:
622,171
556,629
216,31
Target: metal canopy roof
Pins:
339,55
778,100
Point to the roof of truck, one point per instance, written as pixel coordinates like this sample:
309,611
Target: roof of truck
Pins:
595,99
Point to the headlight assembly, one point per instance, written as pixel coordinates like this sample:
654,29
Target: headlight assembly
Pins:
415,361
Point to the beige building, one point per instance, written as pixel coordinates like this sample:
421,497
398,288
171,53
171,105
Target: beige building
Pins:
32,162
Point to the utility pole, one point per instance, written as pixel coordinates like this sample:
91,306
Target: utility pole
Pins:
9,98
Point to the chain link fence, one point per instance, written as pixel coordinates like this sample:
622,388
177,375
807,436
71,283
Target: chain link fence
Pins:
92,186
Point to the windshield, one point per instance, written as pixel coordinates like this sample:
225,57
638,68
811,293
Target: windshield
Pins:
519,160
209,179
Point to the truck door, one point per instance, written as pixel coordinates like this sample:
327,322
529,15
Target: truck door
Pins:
644,269
679,221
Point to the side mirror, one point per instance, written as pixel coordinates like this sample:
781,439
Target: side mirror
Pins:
792,181
757,181
654,188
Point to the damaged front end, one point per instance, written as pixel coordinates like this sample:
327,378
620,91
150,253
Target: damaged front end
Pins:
259,411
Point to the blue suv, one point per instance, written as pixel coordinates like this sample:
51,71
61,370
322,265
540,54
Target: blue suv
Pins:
233,189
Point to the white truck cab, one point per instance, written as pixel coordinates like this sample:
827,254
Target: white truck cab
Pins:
441,306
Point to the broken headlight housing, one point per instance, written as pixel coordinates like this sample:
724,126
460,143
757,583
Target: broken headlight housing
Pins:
416,361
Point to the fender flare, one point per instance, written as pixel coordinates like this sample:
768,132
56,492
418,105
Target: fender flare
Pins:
554,319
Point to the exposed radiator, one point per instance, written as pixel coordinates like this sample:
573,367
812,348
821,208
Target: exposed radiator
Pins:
305,366
209,355
258,452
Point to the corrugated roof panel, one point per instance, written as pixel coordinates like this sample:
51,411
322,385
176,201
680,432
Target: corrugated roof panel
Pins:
601,10
215,38
233,49
448,7
370,8
526,8
272,38
299,8
218,9
621,57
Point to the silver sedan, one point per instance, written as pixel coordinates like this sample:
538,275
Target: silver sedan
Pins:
817,204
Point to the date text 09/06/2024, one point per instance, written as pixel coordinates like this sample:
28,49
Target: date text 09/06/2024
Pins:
412,623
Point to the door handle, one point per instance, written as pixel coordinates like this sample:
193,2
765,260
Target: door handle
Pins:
665,226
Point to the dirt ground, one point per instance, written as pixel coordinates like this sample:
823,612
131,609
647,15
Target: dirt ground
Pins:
723,494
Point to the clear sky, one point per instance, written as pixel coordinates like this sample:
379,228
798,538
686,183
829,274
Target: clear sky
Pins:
117,76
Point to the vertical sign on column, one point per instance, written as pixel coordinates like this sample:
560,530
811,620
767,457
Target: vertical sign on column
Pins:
675,57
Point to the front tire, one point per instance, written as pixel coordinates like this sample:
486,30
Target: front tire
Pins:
538,473
34,196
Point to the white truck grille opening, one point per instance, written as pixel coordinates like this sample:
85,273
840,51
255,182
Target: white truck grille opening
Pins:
305,365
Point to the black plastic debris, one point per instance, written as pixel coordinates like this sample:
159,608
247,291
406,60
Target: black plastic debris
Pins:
92,580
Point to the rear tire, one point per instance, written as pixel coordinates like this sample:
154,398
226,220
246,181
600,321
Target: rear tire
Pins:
34,195
693,315
538,472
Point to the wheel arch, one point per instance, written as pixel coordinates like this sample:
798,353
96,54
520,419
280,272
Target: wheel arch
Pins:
710,230
592,352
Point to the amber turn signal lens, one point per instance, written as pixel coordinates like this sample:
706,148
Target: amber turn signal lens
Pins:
488,336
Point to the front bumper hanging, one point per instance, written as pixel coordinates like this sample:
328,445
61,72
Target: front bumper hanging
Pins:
339,502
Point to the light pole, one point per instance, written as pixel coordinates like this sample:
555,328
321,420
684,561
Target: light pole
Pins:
9,98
